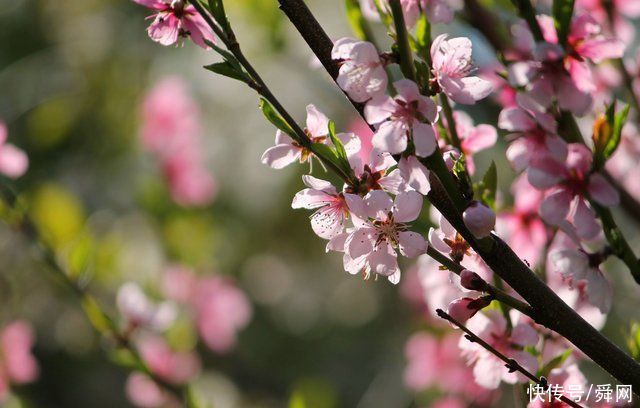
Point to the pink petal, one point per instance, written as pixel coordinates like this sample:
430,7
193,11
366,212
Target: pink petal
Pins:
310,199
411,244
391,137
377,202
424,139
602,191
601,49
280,156
408,90
317,122
584,220
379,109
407,206
165,29
318,184
198,29
571,98
555,207
359,243
383,260
328,222
415,174
482,137
467,90
515,120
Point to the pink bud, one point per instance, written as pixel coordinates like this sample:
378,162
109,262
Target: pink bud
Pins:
480,219
463,309
472,281
450,158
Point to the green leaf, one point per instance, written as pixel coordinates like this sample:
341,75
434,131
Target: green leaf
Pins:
229,70
297,401
274,117
356,19
340,151
216,7
489,185
423,38
125,358
327,153
562,12
193,399
554,363
460,171
618,123
100,321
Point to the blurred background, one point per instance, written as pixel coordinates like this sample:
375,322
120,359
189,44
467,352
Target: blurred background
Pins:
73,80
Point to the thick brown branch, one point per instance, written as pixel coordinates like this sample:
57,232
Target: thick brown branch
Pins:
549,309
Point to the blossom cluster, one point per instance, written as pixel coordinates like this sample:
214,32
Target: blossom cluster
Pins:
212,306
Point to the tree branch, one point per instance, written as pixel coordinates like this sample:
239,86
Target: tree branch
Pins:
549,309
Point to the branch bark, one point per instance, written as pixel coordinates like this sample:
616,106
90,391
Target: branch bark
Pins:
549,309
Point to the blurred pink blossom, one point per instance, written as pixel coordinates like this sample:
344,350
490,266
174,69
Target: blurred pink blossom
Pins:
13,161
219,307
17,364
171,131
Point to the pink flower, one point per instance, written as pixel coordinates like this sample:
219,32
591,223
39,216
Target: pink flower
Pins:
13,161
139,310
452,66
488,369
222,311
585,42
572,185
534,134
473,138
522,227
374,174
171,366
433,362
362,75
479,219
546,80
220,308
371,246
143,392
170,131
583,273
328,220
407,116
362,130
17,364
287,151
190,183
437,285
173,19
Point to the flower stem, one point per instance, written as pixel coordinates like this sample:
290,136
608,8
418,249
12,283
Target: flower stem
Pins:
402,40
451,124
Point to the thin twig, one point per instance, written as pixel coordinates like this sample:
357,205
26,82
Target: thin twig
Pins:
493,291
511,364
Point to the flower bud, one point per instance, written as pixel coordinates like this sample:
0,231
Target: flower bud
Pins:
480,219
463,309
472,281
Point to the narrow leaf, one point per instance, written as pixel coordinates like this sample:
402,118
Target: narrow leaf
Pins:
490,185
356,19
227,69
340,150
274,117
618,123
